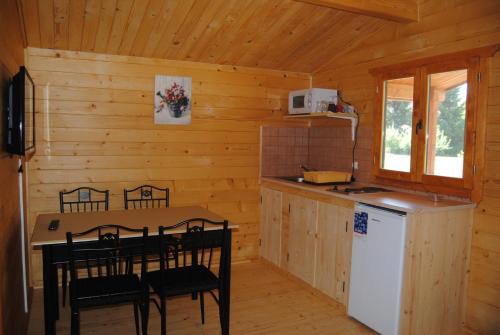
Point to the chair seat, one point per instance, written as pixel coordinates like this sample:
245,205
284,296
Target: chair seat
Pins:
183,280
105,290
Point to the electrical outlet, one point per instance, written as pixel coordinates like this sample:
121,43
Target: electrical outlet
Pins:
355,165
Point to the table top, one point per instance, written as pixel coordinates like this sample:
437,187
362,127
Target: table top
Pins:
152,218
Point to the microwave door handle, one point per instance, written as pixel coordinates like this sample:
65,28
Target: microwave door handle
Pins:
309,101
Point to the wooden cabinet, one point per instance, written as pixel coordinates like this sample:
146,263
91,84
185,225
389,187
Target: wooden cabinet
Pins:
309,238
314,242
300,219
436,260
270,225
333,250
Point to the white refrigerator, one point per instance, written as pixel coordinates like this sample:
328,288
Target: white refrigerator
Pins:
377,267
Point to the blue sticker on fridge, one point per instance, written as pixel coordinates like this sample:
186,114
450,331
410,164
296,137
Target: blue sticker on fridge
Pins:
361,222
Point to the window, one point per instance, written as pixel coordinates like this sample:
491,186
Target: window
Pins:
424,126
398,125
446,113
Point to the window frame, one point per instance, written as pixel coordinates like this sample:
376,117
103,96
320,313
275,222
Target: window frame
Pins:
420,69
378,125
466,182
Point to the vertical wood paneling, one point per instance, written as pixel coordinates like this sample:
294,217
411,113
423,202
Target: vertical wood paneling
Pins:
76,17
108,10
301,223
437,252
270,225
90,24
132,27
164,17
284,34
46,17
95,117
61,24
333,255
150,18
444,27
122,13
483,308
32,26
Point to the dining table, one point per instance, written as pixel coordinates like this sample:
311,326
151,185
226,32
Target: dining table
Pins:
54,249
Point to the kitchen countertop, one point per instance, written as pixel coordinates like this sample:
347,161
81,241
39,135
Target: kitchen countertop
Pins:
396,200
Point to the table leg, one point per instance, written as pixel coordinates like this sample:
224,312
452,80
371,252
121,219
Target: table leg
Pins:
49,305
55,290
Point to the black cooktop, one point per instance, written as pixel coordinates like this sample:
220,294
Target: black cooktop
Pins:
358,190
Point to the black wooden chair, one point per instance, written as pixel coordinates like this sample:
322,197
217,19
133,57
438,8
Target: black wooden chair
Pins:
114,280
146,196
82,199
186,260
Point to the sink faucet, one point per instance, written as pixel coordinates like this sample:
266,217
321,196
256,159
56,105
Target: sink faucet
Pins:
305,168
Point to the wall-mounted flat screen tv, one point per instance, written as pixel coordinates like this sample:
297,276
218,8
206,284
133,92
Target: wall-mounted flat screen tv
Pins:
20,131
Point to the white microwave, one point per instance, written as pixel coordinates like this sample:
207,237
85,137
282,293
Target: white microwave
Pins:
308,100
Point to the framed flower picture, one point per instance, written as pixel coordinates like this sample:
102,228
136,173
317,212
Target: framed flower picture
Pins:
172,97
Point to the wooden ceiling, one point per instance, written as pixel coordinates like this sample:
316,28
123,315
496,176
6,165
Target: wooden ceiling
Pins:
277,34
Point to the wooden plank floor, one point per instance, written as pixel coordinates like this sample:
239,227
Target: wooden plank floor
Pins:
264,301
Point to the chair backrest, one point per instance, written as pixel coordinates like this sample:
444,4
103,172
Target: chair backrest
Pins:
84,199
195,245
146,196
106,254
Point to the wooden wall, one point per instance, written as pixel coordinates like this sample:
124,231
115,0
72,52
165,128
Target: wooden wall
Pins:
444,27
483,307
95,127
12,317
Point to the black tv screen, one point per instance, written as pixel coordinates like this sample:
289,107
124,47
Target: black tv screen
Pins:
21,115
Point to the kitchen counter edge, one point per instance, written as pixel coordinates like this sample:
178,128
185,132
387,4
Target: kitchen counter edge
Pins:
397,200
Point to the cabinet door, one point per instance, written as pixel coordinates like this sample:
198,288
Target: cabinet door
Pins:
270,225
343,253
333,258
326,256
301,219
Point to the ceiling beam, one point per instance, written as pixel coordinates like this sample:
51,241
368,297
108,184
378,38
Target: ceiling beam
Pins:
395,10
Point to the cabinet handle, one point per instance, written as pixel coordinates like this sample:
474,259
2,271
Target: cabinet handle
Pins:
346,223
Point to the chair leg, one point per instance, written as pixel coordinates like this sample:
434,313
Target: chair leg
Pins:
145,314
221,311
75,322
224,312
202,308
136,318
163,313
64,279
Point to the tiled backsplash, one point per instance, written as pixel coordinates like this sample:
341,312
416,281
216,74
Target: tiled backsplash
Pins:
284,149
330,148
